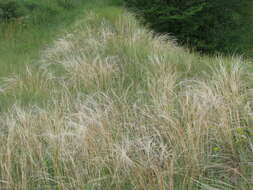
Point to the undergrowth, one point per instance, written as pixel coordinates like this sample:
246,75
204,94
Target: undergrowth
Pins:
126,109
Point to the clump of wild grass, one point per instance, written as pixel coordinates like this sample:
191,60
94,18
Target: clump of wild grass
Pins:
129,111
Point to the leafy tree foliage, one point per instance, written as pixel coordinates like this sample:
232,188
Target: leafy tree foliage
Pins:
207,25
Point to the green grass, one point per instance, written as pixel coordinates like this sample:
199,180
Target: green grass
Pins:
109,105
23,40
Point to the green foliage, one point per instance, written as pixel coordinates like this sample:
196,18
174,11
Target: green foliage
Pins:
67,4
10,10
207,25
38,10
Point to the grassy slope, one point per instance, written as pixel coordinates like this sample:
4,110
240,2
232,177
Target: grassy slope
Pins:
22,41
127,110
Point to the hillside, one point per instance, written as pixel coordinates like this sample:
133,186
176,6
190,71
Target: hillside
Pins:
111,105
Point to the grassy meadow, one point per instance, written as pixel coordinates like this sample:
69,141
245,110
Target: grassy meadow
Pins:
91,99
22,40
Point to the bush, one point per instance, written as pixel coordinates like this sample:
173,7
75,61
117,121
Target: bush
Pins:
10,10
207,25
38,10
67,4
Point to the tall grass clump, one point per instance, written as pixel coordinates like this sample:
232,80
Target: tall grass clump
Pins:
126,109
27,27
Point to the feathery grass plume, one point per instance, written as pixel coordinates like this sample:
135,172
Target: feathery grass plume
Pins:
128,110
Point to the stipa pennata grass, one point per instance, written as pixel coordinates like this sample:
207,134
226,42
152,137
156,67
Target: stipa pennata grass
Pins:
128,110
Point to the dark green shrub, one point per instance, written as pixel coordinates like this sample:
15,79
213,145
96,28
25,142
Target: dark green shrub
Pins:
31,6
10,10
37,10
67,4
207,25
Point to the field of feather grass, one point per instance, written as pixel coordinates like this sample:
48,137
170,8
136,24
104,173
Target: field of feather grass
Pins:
126,109
23,39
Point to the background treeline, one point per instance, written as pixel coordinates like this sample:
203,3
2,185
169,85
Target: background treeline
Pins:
206,25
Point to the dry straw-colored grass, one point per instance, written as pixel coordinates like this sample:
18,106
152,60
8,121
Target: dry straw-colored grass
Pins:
128,110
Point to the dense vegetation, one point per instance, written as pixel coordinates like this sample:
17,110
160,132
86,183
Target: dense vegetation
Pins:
27,32
91,99
27,26
13,9
207,25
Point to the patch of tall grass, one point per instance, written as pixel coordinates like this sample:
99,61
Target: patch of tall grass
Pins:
23,38
125,109
34,27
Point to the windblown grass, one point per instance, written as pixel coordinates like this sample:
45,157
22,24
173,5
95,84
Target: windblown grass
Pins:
125,109
23,39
